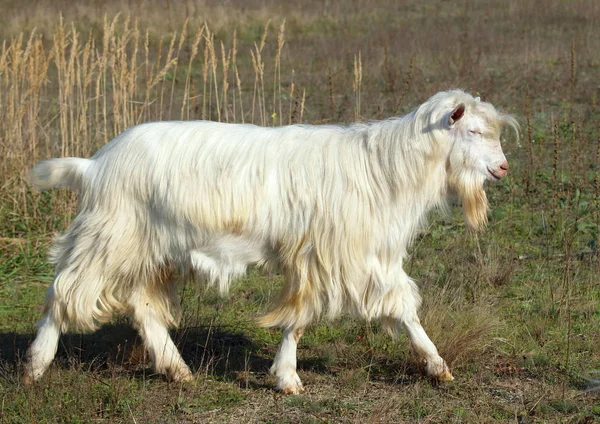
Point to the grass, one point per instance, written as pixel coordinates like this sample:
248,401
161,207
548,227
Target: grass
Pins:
515,310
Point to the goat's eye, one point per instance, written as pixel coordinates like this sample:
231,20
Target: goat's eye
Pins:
474,132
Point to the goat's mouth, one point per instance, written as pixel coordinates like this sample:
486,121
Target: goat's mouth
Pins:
495,176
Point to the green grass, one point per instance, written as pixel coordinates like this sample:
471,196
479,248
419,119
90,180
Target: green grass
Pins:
351,370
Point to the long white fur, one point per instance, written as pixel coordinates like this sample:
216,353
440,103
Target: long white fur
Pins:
334,207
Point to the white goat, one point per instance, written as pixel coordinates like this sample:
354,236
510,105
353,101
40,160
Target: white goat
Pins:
334,207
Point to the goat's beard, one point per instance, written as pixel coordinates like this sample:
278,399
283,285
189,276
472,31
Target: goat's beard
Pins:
474,200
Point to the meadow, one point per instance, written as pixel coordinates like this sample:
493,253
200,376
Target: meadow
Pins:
515,309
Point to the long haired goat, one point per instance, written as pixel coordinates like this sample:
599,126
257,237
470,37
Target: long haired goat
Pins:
334,207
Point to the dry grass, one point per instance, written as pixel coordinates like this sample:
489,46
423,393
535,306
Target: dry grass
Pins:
75,95
514,310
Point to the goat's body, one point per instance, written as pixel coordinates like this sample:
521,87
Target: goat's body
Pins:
138,211
334,207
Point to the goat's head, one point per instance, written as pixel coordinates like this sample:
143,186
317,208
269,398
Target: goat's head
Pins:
475,154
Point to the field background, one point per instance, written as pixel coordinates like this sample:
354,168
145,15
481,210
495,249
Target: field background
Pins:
515,310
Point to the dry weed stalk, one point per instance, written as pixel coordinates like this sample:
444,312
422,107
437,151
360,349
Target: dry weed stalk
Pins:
572,69
571,172
597,195
555,171
297,111
388,71
528,145
331,102
407,82
568,245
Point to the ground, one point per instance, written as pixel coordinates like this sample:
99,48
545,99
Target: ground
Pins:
514,309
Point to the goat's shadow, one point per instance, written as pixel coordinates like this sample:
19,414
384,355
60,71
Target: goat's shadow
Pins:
118,349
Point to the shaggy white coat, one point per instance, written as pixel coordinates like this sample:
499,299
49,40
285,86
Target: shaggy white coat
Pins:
334,207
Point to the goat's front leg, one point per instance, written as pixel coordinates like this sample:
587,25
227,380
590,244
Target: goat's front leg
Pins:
435,366
400,307
423,347
163,352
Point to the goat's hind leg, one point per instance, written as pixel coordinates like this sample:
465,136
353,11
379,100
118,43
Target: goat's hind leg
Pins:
152,314
293,314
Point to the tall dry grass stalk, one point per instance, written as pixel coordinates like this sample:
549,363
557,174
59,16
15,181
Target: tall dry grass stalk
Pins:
187,92
356,85
259,77
277,112
225,61
71,97
213,65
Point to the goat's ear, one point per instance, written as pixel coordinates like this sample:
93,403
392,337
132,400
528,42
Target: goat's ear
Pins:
456,114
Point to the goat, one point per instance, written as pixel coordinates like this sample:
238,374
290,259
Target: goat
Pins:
334,207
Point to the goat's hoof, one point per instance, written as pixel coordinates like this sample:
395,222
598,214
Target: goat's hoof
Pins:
292,390
180,376
437,369
445,376
27,380
290,385
185,378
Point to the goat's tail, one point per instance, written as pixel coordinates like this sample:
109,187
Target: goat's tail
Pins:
64,172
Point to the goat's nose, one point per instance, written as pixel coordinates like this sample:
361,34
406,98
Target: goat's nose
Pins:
504,166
